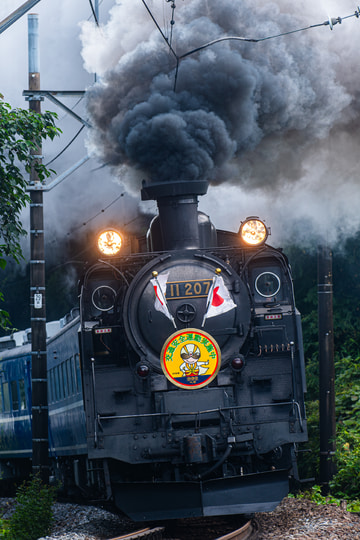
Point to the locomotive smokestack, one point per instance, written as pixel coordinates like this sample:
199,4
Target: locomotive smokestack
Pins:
178,221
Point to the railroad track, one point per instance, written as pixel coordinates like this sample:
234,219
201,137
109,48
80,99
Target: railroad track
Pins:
143,534
246,532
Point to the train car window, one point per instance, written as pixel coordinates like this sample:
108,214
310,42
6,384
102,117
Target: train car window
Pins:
78,373
53,385
57,383
61,383
70,377
53,389
14,396
50,386
73,374
64,379
6,395
22,395
73,370
49,392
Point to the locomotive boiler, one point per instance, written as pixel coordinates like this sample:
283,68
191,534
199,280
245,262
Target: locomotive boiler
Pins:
176,388
192,366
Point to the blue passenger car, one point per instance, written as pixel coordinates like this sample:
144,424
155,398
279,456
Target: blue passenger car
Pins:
67,433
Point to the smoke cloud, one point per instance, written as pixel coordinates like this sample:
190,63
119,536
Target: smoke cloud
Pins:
261,116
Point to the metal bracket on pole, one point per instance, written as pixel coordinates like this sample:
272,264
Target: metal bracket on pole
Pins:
36,186
17,14
50,94
65,174
35,97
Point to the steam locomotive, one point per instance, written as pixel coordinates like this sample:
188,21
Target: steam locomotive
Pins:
177,387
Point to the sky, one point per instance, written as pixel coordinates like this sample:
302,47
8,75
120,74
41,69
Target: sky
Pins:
92,187
273,126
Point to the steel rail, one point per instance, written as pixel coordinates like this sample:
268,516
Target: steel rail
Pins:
248,531
142,534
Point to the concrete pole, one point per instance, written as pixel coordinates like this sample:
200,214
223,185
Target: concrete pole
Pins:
327,369
40,443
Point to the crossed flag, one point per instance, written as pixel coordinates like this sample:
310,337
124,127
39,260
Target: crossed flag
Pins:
218,300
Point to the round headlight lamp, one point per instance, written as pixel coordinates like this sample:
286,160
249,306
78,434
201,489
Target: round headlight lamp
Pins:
109,242
253,231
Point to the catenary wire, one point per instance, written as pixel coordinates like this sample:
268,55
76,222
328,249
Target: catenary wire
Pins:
65,147
330,22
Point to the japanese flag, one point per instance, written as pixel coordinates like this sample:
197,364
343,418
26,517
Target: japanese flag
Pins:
218,300
159,284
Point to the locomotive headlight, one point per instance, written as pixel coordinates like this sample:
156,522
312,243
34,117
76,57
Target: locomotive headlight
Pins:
253,231
109,242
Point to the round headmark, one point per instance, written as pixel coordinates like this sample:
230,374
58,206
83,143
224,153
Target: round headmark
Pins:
190,358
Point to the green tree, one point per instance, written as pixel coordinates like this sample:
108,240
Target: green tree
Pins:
20,132
33,515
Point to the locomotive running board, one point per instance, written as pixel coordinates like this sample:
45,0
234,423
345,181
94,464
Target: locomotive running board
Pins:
260,492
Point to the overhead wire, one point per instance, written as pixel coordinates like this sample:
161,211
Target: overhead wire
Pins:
331,22
94,13
76,104
159,28
95,215
65,147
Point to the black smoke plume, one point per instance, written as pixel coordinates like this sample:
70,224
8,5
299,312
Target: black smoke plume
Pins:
241,112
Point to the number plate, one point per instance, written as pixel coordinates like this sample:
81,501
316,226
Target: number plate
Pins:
199,288
37,301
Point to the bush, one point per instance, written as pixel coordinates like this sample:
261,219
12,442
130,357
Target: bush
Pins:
314,495
4,529
33,514
346,482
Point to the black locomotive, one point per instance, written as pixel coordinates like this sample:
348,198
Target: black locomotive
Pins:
187,398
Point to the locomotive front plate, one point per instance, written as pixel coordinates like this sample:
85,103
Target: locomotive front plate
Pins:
190,358
188,289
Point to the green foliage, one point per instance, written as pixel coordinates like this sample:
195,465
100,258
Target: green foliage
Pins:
314,494
309,457
347,384
21,131
4,316
346,482
346,287
33,515
4,529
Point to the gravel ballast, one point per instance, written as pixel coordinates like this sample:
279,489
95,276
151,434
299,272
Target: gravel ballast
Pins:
293,519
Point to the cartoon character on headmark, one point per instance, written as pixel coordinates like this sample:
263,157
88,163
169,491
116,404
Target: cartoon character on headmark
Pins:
191,367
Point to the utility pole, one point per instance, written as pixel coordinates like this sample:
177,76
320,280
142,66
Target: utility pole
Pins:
40,442
327,369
